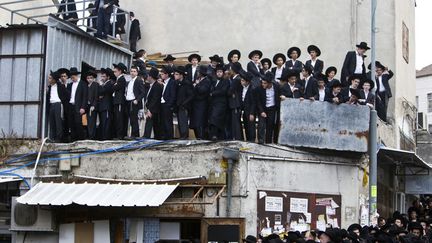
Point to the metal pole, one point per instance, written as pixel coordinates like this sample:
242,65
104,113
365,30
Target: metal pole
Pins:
373,132
229,188
84,11
114,18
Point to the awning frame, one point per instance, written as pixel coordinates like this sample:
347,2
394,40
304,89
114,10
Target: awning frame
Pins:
407,163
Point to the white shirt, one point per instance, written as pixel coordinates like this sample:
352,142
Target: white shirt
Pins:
163,90
321,94
129,90
245,89
193,72
359,63
54,98
307,81
270,93
74,88
381,85
113,18
257,66
278,72
313,62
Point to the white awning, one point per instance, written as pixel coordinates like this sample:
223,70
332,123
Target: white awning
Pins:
104,195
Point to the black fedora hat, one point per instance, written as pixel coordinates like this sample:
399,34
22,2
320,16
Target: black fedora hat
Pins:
167,70
194,55
250,239
255,52
277,56
236,67
269,77
63,70
329,69
266,60
363,45
154,73
216,58
354,227
320,77
220,67
294,48
314,48
355,92
371,83
74,71
355,76
202,70
181,70
120,66
377,65
246,76
55,75
143,73
91,73
232,53
169,57
336,84
288,73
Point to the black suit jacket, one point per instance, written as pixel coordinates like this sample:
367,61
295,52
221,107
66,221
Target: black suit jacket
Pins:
248,104
93,94
184,94
119,91
234,93
153,98
329,97
319,65
349,67
62,92
286,91
120,23
109,9
81,95
170,94
135,32
385,80
311,90
261,97
298,66
70,7
273,70
106,96
252,68
370,99
191,76
139,91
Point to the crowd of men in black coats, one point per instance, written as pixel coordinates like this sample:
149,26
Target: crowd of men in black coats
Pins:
218,101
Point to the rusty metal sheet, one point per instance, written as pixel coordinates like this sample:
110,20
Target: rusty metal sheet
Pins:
324,125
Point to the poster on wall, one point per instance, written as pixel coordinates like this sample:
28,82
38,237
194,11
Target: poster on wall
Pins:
298,205
274,204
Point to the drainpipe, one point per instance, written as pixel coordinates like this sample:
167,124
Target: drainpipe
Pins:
231,155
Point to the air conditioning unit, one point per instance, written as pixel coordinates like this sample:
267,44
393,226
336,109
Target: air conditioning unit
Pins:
422,123
31,218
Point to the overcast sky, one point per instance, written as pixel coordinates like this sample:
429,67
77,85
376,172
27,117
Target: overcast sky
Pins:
423,33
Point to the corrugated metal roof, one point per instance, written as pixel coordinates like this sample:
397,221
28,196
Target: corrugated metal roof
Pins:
104,195
424,72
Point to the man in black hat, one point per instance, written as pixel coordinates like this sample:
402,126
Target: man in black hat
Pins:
192,68
266,65
77,104
183,101
293,63
233,57
354,63
64,77
168,103
315,64
119,101
152,104
290,89
214,61
279,59
105,106
134,32
267,104
309,83
255,67
366,96
93,99
354,98
234,103
103,9
248,106
92,18
383,90
66,10
250,239
140,60
218,104
355,81
169,61
200,104
57,94
118,20
330,73
134,94
334,94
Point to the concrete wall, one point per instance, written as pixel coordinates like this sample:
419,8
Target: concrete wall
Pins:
423,87
250,175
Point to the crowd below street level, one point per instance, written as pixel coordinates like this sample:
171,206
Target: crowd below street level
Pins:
218,101
414,227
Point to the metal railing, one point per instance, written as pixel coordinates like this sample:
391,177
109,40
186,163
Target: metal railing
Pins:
37,18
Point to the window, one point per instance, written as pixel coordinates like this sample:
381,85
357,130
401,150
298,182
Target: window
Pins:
429,99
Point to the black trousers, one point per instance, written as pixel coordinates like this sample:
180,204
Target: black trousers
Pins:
133,44
132,114
75,124
66,123
183,122
166,122
216,133
151,124
118,121
55,122
249,128
105,120
102,24
266,125
382,108
236,131
91,124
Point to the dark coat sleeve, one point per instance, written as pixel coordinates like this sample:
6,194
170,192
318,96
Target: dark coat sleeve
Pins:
252,69
139,90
